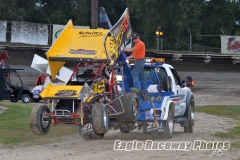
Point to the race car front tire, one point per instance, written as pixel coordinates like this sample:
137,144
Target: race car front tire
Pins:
40,119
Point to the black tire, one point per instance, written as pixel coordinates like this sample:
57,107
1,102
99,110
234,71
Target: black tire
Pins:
14,101
40,123
167,83
26,98
99,118
168,126
129,102
189,128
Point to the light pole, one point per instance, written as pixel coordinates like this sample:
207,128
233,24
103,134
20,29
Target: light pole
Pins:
190,41
157,38
50,31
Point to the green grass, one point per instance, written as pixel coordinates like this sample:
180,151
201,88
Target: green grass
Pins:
15,127
226,111
229,112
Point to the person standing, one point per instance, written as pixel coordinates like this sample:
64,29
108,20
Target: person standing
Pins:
138,53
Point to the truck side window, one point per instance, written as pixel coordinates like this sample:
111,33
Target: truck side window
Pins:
176,77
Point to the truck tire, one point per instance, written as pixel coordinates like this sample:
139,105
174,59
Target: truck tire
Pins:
26,98
129,102
40,120
167,84
99,118
189,128
168,126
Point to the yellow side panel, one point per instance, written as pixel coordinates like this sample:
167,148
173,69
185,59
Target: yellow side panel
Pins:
76,44
57,92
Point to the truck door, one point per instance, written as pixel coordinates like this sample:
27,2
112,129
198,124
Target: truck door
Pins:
180,101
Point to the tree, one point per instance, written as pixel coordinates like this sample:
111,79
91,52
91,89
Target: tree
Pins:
218,17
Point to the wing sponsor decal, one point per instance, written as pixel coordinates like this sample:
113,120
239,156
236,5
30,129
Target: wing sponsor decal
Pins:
84,34
66,92
83,51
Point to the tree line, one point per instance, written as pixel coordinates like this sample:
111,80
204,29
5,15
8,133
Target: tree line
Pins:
203,20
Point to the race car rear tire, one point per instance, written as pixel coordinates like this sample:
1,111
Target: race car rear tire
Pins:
40,119
167,83
99,118
189,128
128,101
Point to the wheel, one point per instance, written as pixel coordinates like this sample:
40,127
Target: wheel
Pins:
191,121
40,119
99,118
14,100
128,103
167,127
167,83
26,98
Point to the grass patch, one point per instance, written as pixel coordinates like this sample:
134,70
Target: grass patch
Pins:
225,111
15,127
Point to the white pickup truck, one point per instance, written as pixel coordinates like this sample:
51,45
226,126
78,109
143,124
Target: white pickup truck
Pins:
169,100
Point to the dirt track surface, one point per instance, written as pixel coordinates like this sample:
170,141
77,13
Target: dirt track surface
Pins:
210,89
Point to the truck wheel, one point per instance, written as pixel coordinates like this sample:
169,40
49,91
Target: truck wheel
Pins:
99,118
40,119
167,83
26,98
189,128
168,126
129,103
